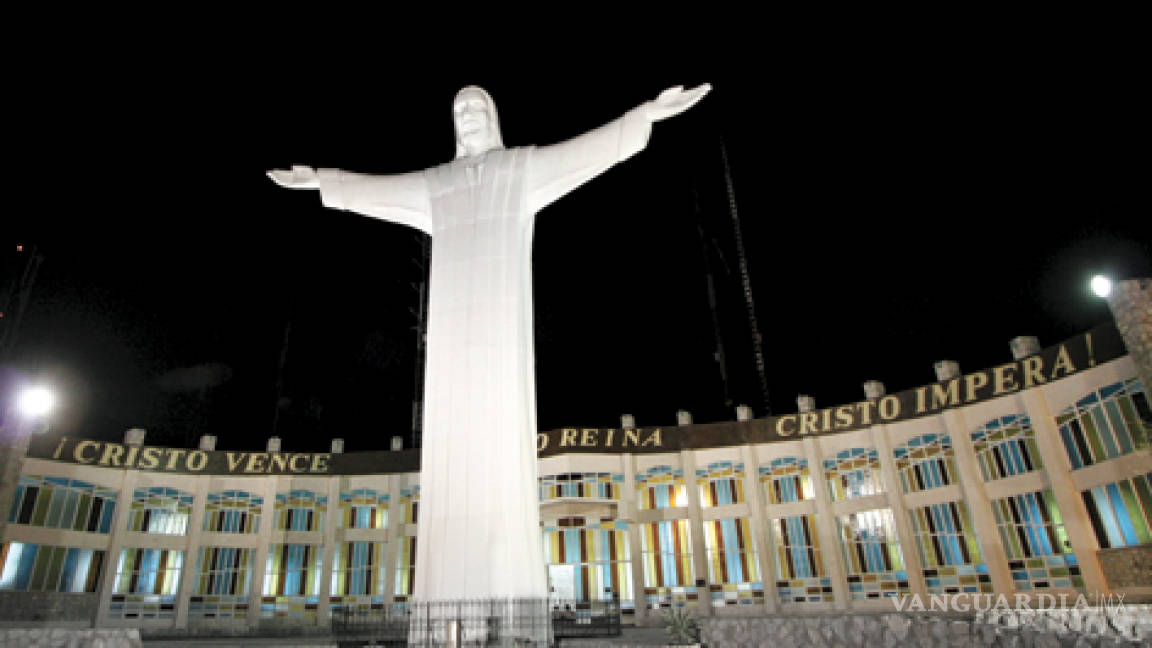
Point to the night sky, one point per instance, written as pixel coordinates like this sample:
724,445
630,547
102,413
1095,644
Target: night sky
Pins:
896,208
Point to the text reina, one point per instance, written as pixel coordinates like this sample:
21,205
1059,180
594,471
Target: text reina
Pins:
178,459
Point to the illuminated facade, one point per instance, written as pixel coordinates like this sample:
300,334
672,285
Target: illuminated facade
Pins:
1010,480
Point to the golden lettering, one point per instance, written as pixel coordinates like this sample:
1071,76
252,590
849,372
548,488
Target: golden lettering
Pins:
588,436
320,462
1033,372
541,442
780,425
174,455
825,420
235,459
865,411
130,460
921,399
149,458
78,452
889,407
1004,379
809,420
197,460
299,456
568,436
946,397
1063,361
112,454
279,462
633,436
608,442
59,447
654,438
843,417
974,382
256,462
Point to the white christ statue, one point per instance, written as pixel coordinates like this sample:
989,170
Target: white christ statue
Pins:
479,524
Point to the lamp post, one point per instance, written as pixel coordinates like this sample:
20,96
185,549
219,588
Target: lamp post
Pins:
27,413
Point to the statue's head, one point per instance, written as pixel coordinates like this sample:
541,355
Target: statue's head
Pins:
477,127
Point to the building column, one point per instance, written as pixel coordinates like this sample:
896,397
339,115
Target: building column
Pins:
1068,499
627,512
759,524
328,552
393,534
891,483
189,574
116,536
264,538
826,526
696,533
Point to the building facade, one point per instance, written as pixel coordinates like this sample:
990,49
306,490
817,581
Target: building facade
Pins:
1033,477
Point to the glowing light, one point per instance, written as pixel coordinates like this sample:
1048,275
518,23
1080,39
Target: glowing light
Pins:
36,402
1101,285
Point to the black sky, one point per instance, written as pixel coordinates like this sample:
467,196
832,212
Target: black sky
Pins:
898,206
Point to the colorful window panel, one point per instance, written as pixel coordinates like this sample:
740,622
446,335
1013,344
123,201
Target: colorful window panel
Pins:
872,557
662,487
160,510
926,462
733,570
1039,552
300,510
291,581
853,473
581,485
1121,512
1006,446
61,503
800,575
358,579
720,484
224,575
233,512
599,551
405,569
43,568
364,508
787,480
147,583
949,550
1109,422
410,504
667,559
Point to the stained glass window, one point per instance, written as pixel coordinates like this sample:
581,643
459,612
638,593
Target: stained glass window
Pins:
1121,512
949,550
1006,446
596,485
1107,423
160,510
599,551
925,462
300,510
661,487
667,559
733,570
853,473
34,568
364,508
62,503
233,511
224,576
800,574
1037,546
787,479
872,556
147,583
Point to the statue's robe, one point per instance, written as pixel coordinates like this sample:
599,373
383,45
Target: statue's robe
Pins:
478,525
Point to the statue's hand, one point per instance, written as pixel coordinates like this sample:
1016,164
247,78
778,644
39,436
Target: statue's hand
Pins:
300,177
674,101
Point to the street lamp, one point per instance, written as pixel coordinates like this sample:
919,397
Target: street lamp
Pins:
35,402
1101,285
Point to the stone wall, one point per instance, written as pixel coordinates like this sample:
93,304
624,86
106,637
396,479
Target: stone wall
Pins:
43,608
1127,626
1127,566
1131,305
65,638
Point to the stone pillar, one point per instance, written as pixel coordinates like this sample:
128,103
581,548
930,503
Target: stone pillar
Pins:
683,417
979,504
627,422
891,483
208,443
874,389
338,446
328,551
264,538
1024,346
628,513
393,536
188,573
274,444
744,413
134,437
116,537
696,532
1131,305
1059,471
758,522
826,526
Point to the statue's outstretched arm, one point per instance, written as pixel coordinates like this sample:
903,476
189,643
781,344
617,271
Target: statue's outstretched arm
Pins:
401,199
299,177
557,169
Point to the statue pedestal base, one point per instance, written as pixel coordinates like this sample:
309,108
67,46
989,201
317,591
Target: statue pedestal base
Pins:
480,622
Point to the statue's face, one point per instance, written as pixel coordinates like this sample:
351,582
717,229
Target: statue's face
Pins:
473,121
